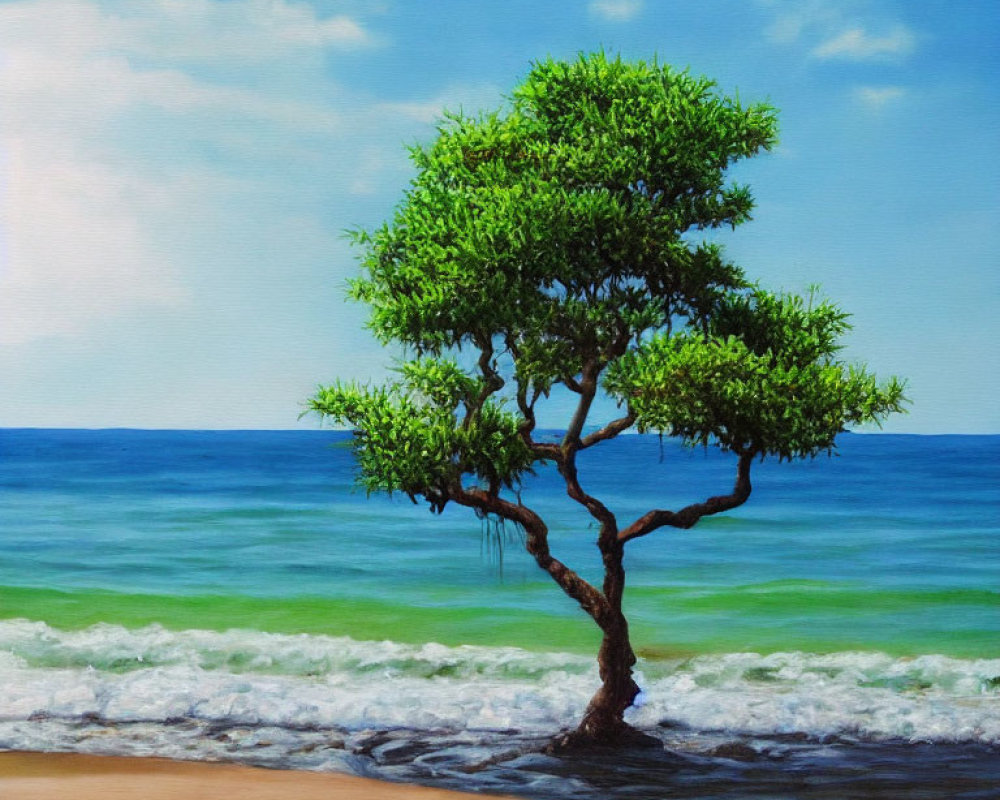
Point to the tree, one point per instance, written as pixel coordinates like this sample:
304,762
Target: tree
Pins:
558,244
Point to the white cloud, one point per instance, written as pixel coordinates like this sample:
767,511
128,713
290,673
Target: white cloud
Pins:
249,30
879,96
78,209
786,29
342,31
792,20
856,44
464,98
616,10
836,30
75,251
371,164
44,88
426,112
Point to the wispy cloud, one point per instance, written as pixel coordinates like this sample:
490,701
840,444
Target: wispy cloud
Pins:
465,98
426,112
616,10
857,44
341,30
877,97
836,30
790,21
250,30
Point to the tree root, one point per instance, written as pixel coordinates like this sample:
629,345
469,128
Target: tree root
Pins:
581,740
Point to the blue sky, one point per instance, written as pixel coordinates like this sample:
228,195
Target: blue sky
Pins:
176,175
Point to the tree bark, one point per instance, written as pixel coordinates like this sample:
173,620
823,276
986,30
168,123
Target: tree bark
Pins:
603,722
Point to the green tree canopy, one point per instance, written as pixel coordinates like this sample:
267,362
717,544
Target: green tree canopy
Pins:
562,242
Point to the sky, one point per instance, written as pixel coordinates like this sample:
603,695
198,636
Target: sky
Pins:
176,177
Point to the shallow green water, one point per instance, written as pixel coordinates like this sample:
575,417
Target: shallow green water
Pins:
665,622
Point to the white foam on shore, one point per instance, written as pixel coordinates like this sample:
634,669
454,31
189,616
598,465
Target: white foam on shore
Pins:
154,676
871,695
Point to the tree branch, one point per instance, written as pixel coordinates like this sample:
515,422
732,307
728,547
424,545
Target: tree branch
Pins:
688,516
492,382
537,541
571,444
609,431
588,389
588,386
619,344
552,452
597,509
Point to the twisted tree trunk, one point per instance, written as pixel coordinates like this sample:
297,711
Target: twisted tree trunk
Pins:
604,720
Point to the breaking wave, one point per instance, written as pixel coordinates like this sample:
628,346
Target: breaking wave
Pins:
157,676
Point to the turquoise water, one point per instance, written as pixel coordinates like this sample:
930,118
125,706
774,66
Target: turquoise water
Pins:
891,547
238,579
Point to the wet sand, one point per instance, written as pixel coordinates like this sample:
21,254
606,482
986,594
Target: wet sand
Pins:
48,776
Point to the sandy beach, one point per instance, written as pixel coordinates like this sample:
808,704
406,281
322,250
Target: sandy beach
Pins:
47,776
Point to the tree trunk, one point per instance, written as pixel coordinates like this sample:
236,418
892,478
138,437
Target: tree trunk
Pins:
604,722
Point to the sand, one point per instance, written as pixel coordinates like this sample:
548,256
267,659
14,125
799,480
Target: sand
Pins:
48,776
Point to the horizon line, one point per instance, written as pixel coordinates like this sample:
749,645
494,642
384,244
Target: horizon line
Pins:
140,429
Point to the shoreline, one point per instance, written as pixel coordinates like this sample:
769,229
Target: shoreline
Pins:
46,776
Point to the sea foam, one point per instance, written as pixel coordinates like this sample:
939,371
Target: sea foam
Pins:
156,677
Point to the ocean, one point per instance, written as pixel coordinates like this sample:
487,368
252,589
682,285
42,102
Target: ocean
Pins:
231,595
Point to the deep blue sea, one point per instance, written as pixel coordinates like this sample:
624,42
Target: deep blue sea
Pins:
232,595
